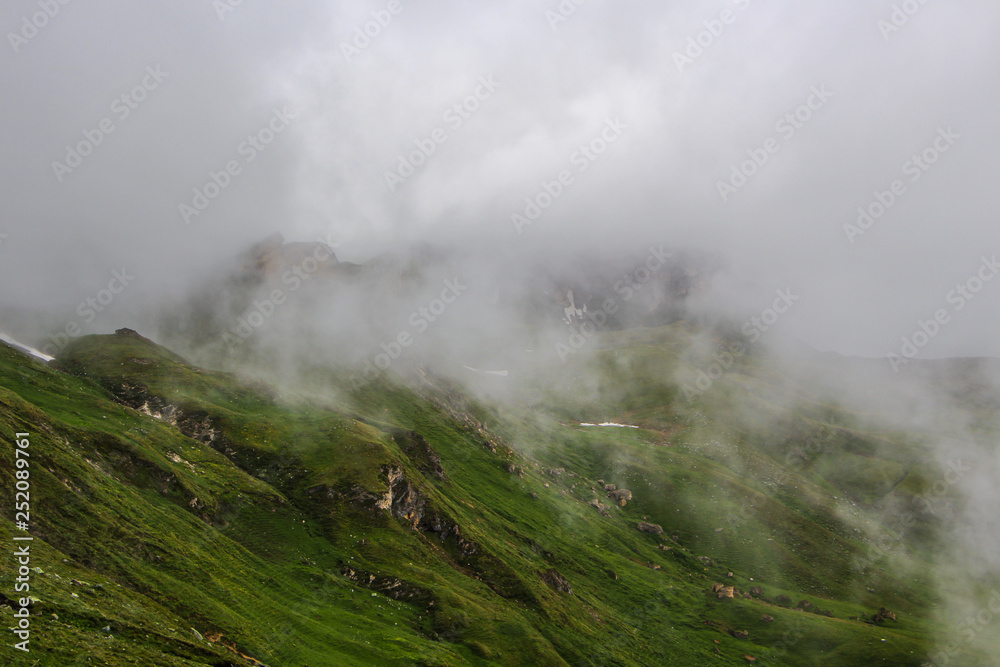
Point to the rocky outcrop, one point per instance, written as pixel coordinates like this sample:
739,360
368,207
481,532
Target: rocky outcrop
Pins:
392,587
726,592
419,451
556,581
515,470
404,501
881,617
620,496
600,507
652,528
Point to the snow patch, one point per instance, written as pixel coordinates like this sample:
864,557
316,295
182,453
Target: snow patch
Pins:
25,348
609,424
476,370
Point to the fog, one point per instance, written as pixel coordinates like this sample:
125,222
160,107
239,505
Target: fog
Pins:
685,116
843,153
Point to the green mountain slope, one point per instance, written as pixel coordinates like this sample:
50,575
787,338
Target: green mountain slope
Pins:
183,516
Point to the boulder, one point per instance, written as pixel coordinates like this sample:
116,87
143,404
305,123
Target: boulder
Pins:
621,496
882,616
652,528
596,504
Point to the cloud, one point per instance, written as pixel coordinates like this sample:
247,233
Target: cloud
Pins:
560,80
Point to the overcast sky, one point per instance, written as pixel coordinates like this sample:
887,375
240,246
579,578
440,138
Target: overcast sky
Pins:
670,118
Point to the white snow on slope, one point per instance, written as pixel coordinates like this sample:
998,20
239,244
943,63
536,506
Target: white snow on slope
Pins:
24,348
501,373
609,424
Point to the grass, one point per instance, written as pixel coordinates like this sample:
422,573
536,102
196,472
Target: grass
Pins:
236,545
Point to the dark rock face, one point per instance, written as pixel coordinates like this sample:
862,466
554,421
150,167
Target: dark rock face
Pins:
419,451
653,528
405,502
556,581
881,617
392,587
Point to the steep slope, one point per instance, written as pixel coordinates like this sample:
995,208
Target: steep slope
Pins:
191,517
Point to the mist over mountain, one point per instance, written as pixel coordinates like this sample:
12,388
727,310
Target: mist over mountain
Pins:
442,283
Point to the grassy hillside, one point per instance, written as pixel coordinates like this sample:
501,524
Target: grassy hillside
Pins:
184,516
